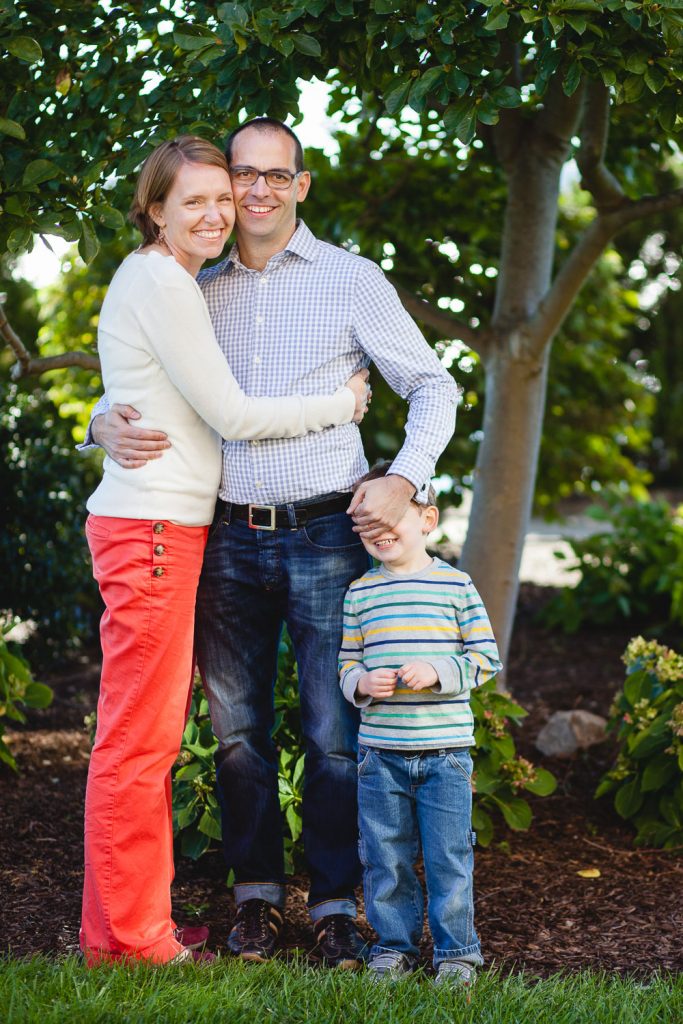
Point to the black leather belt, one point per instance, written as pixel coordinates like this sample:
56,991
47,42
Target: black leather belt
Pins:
286,517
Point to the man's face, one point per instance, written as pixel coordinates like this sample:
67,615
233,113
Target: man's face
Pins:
263,213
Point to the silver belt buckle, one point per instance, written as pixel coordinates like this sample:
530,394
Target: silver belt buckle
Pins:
261,508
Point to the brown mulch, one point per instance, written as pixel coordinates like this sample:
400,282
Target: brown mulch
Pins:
534,911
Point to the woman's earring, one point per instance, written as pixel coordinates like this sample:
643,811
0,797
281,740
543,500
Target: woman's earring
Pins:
160,236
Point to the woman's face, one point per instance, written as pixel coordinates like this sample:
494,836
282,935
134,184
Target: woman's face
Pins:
197,215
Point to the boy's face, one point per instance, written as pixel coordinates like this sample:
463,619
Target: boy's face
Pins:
403,547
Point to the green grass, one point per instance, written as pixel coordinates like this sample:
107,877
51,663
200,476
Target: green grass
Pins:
43,991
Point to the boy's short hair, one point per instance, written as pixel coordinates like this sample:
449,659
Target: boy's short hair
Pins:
425,495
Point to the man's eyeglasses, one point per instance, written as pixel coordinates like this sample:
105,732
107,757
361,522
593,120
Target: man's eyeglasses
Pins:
275,178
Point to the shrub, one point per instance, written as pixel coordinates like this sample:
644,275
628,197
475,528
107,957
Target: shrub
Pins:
647,717
633,568
45,573
196,814
17,686
500,775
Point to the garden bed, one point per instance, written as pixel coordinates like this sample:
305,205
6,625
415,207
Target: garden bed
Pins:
534,911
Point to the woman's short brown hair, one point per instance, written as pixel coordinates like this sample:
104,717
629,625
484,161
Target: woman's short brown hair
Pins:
159,172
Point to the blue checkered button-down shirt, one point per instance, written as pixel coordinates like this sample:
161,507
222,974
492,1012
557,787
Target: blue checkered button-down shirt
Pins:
304,325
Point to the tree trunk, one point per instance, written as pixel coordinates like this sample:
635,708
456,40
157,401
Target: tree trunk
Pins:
516,364
504,481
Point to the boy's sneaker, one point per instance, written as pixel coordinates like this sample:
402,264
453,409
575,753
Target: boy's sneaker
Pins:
456,973
339,943
389,967
256,930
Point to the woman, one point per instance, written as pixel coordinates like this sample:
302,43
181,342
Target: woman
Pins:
147,530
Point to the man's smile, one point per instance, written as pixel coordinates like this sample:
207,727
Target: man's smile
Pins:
260,211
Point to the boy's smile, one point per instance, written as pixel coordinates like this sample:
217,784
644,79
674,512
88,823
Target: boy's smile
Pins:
402,549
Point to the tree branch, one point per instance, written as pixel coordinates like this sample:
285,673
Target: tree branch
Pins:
595,176
558,117
558,300
27,365
440,320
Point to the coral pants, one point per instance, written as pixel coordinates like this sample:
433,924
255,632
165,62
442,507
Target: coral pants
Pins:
147,572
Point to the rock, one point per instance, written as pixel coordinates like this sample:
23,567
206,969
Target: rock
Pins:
565,732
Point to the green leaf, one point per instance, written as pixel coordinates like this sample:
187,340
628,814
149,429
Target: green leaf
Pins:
210,826
396,99
497,19
233,14
577,23
655,79
572,79
25,48
19,239
658,772
108,217
636,687
88,247
544,783
426,82
306,44
506,96
628,799
13,128
516,812
194,844
457,81
187,815
37,695
482,825
194,37
38,171
651,739
294,822
460,120
189,771
487,112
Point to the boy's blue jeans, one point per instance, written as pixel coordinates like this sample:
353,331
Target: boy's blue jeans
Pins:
406,801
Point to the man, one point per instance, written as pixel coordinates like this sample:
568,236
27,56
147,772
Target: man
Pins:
293,314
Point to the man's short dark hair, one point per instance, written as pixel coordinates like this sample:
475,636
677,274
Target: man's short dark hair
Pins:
380,469
267,124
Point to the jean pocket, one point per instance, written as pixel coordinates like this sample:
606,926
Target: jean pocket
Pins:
332,533
364,755
462,762
217,518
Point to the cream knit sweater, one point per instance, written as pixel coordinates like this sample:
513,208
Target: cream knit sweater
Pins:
159,354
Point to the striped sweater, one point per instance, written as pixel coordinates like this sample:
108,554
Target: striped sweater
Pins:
437,616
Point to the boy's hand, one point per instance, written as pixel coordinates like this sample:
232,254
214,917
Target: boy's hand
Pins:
381,682
418,675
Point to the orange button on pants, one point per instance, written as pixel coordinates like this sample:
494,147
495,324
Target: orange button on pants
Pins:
147,573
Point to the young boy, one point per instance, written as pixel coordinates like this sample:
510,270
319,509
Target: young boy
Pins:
416,640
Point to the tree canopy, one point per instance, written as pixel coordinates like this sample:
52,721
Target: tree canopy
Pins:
497,97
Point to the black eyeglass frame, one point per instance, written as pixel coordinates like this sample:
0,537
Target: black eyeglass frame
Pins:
264,174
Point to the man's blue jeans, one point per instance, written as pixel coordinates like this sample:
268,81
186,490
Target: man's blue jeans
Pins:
252,582
406,801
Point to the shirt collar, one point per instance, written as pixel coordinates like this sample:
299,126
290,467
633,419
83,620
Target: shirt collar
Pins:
302,243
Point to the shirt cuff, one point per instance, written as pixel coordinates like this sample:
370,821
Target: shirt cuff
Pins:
414,466
449,680
349,682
